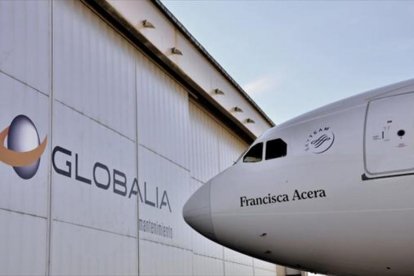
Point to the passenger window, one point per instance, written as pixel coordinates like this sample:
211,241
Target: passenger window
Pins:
275,149
254,154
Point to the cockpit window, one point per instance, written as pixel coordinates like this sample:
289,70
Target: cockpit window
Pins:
275,149
254,154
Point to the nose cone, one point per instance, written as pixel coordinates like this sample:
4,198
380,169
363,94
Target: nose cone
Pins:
197,212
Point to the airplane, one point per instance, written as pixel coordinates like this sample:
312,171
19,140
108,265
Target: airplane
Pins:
330,191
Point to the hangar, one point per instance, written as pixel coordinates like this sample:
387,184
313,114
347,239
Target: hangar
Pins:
134,115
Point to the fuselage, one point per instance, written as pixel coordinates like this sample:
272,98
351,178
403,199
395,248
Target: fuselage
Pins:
330,191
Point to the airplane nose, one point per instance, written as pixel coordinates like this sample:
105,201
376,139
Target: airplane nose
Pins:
197,212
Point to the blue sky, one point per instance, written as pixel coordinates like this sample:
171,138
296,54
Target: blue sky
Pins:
295,56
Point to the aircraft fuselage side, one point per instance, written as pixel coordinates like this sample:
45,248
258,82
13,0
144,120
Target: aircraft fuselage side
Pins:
335,194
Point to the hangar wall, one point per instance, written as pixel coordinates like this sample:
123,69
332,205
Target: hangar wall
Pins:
127,145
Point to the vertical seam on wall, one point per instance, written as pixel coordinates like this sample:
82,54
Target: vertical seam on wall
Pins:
218,148
190,168
137,157
224,261
189,164
253,267
49,200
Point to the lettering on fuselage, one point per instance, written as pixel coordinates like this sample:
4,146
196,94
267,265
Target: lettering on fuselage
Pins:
281,198
269,199
308,194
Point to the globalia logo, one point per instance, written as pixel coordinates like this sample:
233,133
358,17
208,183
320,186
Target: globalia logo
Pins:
23,149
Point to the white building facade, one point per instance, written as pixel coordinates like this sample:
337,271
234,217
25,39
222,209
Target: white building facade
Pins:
135,116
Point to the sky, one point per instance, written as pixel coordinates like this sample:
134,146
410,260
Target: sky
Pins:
294,56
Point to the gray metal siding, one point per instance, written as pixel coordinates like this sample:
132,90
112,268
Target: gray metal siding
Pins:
122,120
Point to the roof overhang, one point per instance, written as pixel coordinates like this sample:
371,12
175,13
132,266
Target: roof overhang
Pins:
122,20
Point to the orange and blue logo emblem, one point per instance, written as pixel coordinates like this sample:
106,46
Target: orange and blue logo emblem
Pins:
23,148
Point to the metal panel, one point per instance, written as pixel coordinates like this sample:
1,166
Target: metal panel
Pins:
204,156
79,250
27,196
388,135
292,272
163,260
234,256
99,78
234,269
194,63
230,148
264,265
200,244
25,42
94,67
163,35
23,244
264,272
164,189
162,113
203,266
101,157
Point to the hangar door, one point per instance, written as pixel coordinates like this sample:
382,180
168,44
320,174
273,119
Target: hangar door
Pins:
389,135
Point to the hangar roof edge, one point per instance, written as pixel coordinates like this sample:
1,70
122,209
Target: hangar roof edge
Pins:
110,13
200,47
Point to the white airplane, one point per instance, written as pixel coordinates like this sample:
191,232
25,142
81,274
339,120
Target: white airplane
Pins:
331,191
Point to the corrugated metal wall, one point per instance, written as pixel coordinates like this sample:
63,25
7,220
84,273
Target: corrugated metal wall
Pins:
123,138
25,86
93,230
